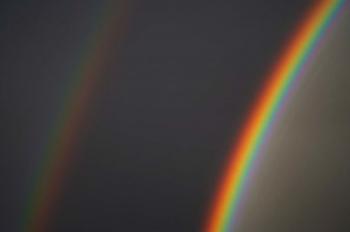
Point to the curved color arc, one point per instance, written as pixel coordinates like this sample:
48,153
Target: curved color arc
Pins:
60,151
285,72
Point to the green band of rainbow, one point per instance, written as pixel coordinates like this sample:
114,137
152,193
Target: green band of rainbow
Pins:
60,150
284,74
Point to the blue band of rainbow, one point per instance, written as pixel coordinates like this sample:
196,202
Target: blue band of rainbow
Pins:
287,70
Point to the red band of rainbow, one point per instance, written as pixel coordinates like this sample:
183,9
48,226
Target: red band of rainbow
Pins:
284,74
60,150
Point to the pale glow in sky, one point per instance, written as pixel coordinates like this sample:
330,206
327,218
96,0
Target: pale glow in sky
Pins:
301,180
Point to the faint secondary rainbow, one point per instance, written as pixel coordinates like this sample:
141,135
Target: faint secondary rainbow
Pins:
59,152
284,74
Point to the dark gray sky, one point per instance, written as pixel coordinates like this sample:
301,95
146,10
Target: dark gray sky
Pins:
174,93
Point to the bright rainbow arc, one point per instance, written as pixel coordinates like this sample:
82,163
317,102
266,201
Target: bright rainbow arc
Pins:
284,74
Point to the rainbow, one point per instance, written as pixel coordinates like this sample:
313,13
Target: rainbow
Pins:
59,152
279,82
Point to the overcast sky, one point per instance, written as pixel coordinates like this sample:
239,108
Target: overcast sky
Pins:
176,89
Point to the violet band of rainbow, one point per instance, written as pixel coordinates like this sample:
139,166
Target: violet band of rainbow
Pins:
59,152
288,69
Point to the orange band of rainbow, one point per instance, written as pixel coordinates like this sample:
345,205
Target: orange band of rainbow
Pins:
284,74
60,151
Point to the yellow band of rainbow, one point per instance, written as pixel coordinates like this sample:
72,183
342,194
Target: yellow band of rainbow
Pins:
287,69
59,152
